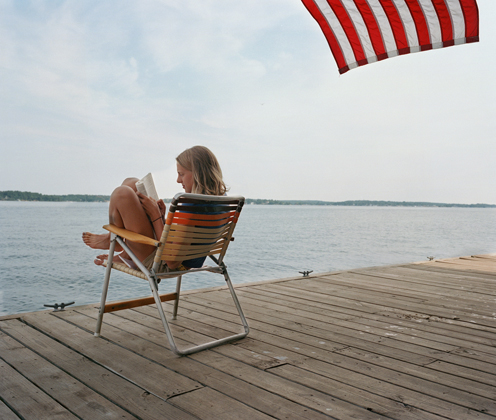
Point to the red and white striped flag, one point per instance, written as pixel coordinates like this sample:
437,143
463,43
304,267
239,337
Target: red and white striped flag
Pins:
360,32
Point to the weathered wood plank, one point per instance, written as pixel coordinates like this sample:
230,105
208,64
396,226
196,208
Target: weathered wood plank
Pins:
154,378
451,380
320,329
151,328
435,293
27,399
477,357
6,413
460,266
409,397
405,342
481,376
442,373
476,263
264,401
464,357
373,327
488,257
62,387
478,280
457,266
395,302
300,394
128,395
217,405
328,339
456,380
426,278
341,305
238,345
371,400
317,310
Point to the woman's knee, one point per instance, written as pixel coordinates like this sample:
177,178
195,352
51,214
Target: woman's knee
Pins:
123,193
124,204
131,182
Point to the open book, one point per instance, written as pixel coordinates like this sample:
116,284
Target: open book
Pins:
146,186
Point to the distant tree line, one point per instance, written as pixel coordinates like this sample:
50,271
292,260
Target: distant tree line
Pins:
31,196
365,203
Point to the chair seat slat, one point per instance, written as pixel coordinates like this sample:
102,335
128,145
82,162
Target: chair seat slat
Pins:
186,251
200,216
209,203
181,242
194,234
200,223
182,239
181,258
197,231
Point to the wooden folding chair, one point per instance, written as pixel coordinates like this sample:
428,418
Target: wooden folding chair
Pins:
196,226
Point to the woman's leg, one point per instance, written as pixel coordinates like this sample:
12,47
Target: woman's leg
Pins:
102,240
125,211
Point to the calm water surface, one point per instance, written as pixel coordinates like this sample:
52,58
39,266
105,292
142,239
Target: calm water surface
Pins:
44,261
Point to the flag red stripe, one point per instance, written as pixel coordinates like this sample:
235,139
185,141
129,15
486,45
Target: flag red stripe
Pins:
396,25
420,23
372,27
328,33
445,21
349,29
471,14
355,28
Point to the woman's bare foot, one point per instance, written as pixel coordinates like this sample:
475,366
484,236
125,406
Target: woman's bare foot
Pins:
99,241
99,260
95,241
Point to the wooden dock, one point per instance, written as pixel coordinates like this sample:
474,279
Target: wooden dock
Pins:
414,341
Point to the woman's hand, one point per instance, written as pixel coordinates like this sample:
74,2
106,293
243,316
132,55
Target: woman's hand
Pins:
152,208
161,206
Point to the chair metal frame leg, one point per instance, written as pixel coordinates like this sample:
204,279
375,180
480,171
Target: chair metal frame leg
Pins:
153,281
114,239
176,302
208,345
106,281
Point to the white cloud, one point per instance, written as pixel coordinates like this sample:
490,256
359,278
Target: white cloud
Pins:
86,83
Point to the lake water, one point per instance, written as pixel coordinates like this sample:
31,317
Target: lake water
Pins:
44,261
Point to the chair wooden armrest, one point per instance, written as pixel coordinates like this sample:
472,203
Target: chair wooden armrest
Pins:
131,236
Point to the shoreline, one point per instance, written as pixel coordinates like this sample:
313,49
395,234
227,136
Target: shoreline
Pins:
261,202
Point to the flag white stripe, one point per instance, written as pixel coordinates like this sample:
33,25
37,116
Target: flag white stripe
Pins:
457,19
432,21
361,35
384,26
408,24
338,30
361,29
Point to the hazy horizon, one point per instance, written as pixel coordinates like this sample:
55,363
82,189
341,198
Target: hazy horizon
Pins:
271,199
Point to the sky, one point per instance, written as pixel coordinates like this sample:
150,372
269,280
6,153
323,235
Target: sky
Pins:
92,92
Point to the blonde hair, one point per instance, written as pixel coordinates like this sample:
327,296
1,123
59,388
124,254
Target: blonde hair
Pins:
207,175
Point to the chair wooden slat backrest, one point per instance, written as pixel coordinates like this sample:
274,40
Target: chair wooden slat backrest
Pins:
196,226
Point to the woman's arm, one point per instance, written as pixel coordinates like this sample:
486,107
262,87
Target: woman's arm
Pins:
155,210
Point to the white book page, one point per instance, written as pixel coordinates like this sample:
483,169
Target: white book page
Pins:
147,186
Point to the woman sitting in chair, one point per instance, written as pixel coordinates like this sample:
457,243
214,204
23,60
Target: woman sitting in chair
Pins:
198,171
